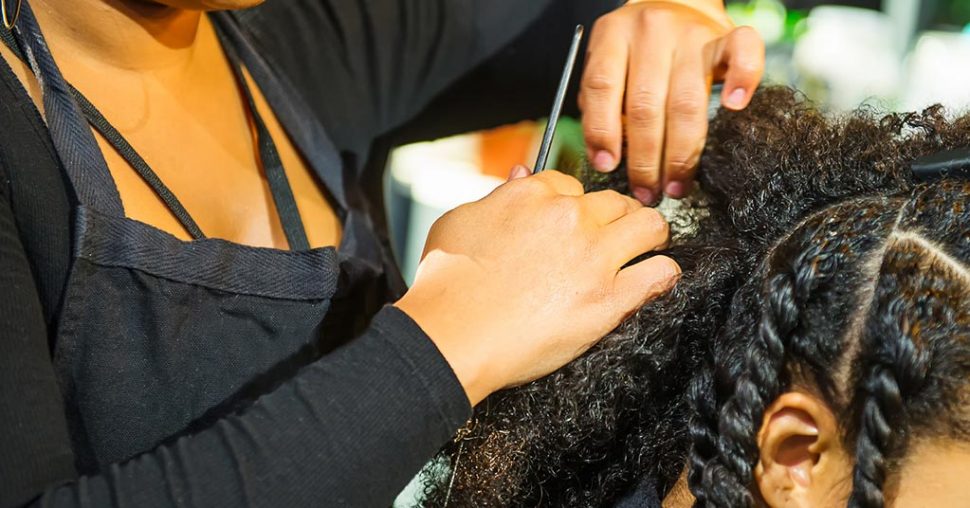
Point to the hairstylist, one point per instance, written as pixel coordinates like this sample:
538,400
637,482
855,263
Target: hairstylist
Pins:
193,255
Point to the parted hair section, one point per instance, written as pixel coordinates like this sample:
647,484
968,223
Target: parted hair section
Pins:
810,259
864,303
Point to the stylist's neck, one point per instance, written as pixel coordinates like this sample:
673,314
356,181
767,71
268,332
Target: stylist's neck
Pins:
127,34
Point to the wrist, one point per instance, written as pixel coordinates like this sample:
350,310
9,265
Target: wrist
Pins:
452,337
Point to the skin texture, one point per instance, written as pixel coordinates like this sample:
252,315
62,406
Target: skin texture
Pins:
160,76
803,463
647,82
465,280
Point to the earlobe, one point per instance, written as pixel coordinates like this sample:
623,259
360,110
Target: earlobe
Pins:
797,433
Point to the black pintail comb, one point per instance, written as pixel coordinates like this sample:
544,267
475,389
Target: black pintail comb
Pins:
953,163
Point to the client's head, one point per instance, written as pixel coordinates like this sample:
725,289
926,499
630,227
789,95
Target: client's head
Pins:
817,343
843,371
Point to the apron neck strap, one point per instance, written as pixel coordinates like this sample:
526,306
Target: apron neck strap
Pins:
306,131
68,114
73,141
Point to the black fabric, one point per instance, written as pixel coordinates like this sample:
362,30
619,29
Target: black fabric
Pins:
350,428
65,121
147,315
279,185
127,345
346,431
211,262
643,495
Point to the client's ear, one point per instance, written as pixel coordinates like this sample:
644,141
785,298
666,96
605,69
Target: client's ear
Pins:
802,462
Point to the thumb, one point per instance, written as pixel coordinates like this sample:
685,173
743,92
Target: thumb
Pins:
640,283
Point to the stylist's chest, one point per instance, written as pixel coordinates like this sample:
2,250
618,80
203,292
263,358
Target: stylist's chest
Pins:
201,142
204,148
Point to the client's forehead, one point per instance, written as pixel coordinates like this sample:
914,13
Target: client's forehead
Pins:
934,473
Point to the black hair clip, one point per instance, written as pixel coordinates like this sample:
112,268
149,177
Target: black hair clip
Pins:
946,164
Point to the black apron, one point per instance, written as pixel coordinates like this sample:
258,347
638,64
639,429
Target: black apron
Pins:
158,336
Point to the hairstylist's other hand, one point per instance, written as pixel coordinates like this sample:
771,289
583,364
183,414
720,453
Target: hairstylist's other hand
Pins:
516,285
653,61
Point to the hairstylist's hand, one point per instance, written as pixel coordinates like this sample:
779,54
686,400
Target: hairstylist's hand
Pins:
516,285
654,61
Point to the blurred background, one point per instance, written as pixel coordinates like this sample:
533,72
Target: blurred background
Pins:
901,55
894,54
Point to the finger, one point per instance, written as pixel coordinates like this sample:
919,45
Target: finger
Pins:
686,125
519,171
636,233
601,93
738,59
560,183
640,283
608,206
646,96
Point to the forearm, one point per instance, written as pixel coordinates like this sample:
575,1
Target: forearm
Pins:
349,430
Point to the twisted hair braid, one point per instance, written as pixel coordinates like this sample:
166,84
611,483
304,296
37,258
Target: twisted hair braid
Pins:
896,370
702,428
762,376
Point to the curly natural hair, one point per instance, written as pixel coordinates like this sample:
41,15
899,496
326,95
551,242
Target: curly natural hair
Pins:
810,246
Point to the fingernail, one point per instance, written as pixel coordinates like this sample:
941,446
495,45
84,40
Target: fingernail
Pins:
644,195
518,171
675,189
604,162
736,99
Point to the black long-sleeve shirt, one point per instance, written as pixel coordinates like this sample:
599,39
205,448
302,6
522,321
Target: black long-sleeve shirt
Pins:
352,428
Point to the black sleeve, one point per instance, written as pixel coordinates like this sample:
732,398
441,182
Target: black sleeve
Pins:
367,67
518,82
348,430
35,449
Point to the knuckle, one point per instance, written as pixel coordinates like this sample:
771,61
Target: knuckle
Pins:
642,170
604,22
528,186
568,210
644,108
681,162
654,17
597,132
667,268
688,103
747,67
597,84
655,223
555,178
613,195
569,181
746,33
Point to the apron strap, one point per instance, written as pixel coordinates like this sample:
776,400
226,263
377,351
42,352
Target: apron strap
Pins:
279,184
88,191
305,130
71,136
128,153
